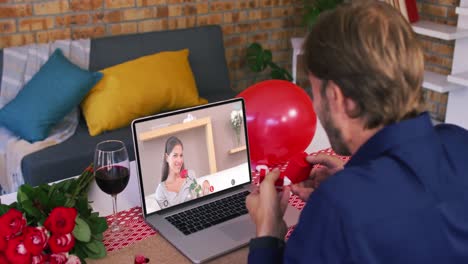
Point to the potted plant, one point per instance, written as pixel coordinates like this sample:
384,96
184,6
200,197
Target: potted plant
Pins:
313,8
259,59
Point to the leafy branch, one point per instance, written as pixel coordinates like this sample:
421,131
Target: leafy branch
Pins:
313,8
258,59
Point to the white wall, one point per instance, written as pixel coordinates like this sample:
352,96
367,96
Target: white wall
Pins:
320,140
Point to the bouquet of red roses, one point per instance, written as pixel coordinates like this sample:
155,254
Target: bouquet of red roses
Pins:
52,224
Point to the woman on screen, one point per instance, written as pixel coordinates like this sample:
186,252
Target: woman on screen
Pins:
177,185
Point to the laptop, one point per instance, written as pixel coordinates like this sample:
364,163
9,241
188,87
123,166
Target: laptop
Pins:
194,174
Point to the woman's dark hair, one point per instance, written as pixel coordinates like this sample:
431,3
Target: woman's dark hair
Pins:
171,142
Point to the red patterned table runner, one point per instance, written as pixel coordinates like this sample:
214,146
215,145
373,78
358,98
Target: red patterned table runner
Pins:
136,228
133,224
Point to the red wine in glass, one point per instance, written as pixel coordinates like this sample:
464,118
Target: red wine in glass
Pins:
112,179
112,172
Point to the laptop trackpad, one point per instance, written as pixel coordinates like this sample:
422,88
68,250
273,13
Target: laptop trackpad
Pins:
238,231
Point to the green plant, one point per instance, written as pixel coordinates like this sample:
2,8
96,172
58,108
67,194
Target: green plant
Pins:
312,9
258,59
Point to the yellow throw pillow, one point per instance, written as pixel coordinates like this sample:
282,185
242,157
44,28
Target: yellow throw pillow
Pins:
151,84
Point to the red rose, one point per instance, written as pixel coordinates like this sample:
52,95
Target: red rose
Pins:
60,258
61,220
89,169
184,173
3,244
72,259
140,259
3,259
61,243
16,252
35,239
12,223
39,259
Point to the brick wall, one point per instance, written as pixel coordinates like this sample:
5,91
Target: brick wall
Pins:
438,53
270,22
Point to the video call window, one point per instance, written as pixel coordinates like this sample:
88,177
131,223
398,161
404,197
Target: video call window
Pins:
192,154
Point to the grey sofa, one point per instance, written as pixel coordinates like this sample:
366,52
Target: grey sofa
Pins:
208,63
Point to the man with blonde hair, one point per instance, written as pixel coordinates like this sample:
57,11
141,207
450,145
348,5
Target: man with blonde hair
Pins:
403,196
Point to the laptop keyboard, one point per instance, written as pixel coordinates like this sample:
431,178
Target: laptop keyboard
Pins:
210,214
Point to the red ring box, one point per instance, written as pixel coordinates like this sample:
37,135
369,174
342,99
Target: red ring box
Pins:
298,169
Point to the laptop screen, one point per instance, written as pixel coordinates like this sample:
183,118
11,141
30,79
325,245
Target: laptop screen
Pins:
190,154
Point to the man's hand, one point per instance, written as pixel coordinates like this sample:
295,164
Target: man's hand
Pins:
329,166
266,207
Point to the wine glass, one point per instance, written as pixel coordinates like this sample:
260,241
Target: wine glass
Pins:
112,172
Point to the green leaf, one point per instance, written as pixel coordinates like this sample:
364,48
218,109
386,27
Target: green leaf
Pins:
43,197
281,74
260,61
255,57
82,206
94,214
273,66
98,237
95,249
30,209
267,56
44,188
310,17
82,232
4,208
67,184
312,10
288,75
58,199
80,250
276,74
25,192
97,224
254,49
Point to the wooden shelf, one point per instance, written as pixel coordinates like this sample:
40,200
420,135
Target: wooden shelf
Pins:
462,11
238,149
440,31
438,82
175,128
459,78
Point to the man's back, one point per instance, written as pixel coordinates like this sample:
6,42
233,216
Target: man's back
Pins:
402,198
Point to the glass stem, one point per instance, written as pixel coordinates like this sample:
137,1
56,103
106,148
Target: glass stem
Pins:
115,223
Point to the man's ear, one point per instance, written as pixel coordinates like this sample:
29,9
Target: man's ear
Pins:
334,96
341,102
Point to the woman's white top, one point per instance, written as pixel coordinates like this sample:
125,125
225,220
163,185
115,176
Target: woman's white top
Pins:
166,198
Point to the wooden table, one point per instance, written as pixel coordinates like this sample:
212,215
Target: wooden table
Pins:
160,251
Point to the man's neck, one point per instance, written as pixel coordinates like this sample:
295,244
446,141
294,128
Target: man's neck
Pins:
358,136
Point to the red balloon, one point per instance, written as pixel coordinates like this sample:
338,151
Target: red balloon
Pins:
281,121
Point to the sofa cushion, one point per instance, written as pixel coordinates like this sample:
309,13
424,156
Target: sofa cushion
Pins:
70,157
207,54
151,84
52,93
208,63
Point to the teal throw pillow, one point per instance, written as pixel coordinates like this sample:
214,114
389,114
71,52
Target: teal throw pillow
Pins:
52,93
